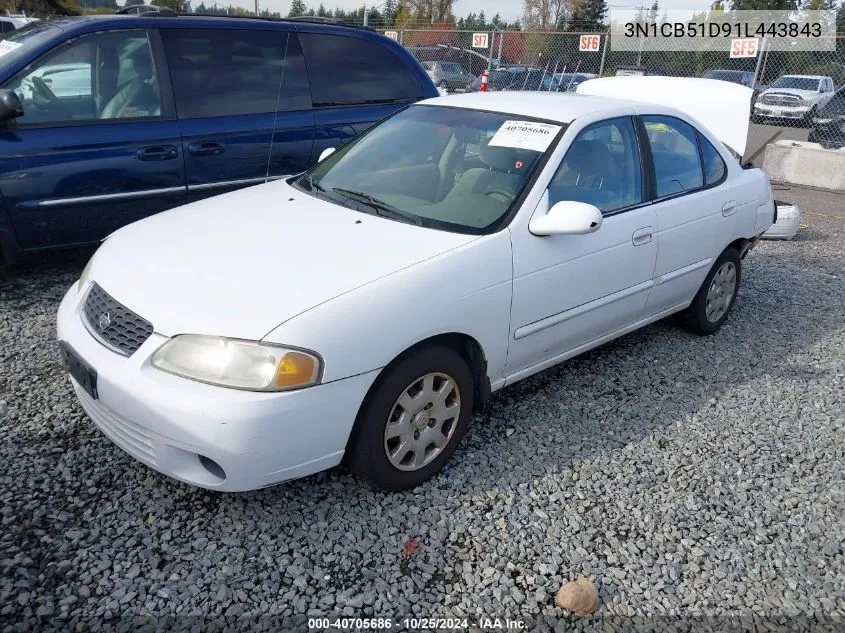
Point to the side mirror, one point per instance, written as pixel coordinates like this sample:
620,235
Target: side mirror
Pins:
567,218
325,154
10,105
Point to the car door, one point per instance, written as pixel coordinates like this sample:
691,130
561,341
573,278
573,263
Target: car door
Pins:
571,290
227,83
354,83
100,151
696,209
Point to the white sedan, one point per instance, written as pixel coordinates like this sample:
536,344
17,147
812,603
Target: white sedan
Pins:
362,310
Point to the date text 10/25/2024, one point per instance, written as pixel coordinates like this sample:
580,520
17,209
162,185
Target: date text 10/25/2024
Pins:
415,624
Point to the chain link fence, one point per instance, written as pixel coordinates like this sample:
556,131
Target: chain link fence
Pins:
799,95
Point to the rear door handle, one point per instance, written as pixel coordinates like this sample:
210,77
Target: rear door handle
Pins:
157,152
729,208
642,236
205,148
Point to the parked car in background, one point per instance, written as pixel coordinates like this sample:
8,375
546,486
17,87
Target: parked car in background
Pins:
231,344
569,82
12,22
742,77
449,75
171,109
635,71
499,79
829,123
796,97
533,79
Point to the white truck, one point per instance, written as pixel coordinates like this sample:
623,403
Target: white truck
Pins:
793,97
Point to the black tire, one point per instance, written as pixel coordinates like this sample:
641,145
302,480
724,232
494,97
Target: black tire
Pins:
808,118
695,318
367,452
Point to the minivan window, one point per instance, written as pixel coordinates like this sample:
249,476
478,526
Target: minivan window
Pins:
103,76
347,70
223,72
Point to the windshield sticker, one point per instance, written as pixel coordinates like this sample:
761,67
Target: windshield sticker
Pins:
7,47
525,135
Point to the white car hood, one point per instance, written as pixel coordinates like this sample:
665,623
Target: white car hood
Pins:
240,264
721,106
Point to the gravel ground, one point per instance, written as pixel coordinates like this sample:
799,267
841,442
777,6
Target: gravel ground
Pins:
685,476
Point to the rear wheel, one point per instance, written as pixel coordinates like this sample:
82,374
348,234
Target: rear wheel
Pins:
413,419
717,295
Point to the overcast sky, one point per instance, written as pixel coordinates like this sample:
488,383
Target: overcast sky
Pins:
508,9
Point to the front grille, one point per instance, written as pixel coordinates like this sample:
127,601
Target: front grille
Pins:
778,99
113,324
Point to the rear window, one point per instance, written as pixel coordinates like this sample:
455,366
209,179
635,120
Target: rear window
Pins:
347,70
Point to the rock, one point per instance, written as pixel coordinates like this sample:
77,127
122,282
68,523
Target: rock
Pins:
580,597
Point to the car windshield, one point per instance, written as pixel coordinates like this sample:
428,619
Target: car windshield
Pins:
797,83
449,168
18,43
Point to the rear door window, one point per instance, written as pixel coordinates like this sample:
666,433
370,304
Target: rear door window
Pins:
677,165
347,70
224,72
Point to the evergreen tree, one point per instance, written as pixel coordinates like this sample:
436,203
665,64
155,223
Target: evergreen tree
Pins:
297,9
588,15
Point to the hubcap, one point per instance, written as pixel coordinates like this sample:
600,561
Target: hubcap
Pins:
721,292
422,421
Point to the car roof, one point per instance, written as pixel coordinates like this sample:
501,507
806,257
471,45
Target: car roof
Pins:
805,76
563,107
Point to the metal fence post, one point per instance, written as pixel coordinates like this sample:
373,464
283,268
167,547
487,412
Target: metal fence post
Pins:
604,52
759,65
490,50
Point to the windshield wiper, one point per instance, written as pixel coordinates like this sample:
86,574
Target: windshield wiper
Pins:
380,207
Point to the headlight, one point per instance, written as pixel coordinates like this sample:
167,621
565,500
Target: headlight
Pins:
238,364
86,273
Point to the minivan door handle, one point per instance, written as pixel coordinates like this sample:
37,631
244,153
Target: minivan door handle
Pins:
642,236
729,208
205,148
157,152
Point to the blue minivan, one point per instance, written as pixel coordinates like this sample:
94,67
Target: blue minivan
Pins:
108,119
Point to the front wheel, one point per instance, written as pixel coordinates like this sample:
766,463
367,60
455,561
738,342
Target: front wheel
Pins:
717,295
413,419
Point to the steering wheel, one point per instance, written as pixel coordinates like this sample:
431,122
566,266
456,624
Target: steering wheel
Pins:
42,91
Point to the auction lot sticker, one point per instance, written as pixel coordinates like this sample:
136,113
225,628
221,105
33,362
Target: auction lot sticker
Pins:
525,135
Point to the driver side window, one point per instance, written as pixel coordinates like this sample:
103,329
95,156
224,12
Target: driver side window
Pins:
98,77
601,167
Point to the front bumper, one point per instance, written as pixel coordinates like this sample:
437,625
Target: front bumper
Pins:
212,437
780,111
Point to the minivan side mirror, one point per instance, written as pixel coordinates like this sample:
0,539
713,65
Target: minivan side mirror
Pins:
325,154
10,105
567,217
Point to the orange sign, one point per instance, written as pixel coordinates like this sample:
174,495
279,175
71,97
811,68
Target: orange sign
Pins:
744,47
589,43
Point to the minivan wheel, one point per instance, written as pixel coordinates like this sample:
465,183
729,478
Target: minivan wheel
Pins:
413,419
717,295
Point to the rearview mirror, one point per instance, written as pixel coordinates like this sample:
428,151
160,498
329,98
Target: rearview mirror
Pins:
567,218
325,154
10,105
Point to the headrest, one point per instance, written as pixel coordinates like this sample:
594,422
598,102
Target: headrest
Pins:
142,64
591,157
506,159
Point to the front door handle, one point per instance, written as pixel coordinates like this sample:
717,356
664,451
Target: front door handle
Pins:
729,208
157,152
205,148
642,236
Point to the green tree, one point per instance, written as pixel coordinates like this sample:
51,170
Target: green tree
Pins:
174,5
297,9
588,15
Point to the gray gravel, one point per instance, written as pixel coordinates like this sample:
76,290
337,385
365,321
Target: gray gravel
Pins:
685,476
